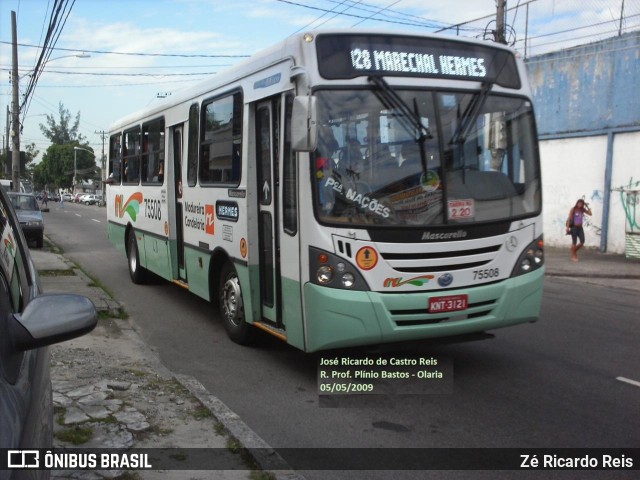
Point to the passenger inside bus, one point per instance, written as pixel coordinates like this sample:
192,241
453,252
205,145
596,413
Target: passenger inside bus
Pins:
160,176
327,146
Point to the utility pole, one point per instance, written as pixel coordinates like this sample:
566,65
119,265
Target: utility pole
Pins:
7,146
500,25
15,157
103,173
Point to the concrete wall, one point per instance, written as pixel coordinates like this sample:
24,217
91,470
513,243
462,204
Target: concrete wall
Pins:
587,104
588,88
625,207
574,168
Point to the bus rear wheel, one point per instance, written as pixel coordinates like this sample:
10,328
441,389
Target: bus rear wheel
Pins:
137,272
231,306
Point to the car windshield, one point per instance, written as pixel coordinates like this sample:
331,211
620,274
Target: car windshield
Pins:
24,202
375,165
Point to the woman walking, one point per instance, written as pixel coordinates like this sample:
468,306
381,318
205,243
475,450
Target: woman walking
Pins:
574,226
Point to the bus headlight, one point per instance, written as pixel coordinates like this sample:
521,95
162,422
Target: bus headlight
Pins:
348,280
531,259
332,271
325,274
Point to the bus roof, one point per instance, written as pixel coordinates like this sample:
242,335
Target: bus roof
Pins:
287,48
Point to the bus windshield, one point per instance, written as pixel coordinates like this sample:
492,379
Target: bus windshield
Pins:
376,166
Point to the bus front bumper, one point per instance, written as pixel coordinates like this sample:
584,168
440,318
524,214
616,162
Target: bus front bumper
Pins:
339,318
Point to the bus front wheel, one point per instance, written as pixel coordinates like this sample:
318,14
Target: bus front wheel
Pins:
231,306
137,272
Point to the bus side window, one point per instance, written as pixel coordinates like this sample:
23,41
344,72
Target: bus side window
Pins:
192,159
115,158
153,152
221,141
131,156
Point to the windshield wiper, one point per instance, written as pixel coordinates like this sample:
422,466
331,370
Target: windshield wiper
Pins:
470,115
410,119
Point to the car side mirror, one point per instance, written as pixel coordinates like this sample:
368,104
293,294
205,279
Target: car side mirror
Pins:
52,318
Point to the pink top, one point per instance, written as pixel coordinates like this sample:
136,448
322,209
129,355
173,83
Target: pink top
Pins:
578,215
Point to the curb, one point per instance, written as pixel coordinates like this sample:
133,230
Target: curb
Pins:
260,452
591,275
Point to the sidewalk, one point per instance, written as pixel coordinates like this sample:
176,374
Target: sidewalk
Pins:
604,269
111,391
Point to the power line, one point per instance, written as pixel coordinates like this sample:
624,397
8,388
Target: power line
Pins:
425,25
592,35
580,28
56,25
119,84
396,13
379,12
122,67
106,74
138,54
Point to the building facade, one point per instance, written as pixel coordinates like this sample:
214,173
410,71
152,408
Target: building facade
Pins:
587,102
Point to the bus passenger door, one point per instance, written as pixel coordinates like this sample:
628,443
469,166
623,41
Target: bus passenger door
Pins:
177,151
267,177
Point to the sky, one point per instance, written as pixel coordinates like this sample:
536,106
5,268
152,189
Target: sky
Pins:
103,85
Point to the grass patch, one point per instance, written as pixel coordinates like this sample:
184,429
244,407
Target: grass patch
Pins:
109,420
167,386
59,413
181,457
158,430
201,412
128,476
120,314
57,273
76,435
220,429
234,445
53,247
261,475
94,281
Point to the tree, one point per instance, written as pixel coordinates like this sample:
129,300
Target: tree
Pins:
63,133
56,169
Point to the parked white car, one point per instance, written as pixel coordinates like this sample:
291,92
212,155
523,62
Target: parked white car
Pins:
91,199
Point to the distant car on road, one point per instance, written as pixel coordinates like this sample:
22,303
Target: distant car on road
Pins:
92,199
29,321
29,216
67,197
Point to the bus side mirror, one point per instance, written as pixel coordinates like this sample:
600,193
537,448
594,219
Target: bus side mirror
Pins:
304,125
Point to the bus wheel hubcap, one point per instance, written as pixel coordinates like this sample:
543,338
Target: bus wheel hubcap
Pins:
232,301
133,262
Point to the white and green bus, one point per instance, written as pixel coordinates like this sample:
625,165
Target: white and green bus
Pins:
342,188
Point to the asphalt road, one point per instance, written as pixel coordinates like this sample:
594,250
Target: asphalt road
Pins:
553,384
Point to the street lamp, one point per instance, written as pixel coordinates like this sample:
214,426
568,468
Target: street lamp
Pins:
75,164
77,55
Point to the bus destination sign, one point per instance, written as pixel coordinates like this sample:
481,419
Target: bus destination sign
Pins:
344,56
385,61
